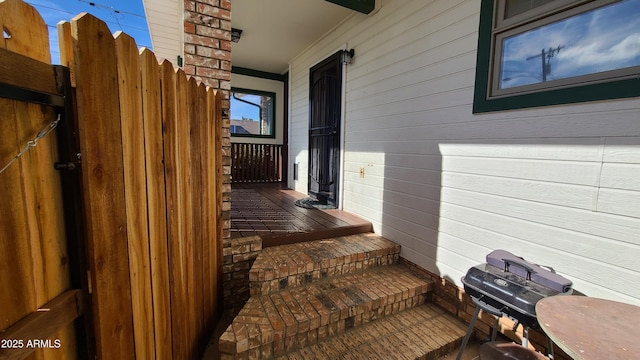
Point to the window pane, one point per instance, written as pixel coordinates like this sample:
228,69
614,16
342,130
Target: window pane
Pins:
603,39
515,7
252,113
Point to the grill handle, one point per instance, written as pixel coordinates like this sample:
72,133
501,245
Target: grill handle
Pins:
520,262
486,307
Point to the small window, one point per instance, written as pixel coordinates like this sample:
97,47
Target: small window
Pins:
534,53
252,113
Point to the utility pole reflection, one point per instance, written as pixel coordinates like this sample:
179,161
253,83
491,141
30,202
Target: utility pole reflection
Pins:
546,55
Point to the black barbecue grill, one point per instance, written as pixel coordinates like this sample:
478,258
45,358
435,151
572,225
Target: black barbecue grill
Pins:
511,286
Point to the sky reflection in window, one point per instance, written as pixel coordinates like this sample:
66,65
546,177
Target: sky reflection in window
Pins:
603,39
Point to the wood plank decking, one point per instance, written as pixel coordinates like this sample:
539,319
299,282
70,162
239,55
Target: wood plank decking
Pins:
269,211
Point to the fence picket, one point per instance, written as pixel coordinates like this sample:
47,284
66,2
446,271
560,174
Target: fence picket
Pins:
100,134
192,170
186,196
209,205
135,193
215,105
177,285
198,122
29,33
152,113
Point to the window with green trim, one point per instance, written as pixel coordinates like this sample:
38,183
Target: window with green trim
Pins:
252,113
542,52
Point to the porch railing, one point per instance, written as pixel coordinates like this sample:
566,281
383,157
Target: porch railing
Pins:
256,163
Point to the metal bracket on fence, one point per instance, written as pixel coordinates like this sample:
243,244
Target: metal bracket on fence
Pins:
8,91
13,92
60,101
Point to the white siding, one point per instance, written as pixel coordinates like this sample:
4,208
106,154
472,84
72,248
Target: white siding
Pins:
557,185
166,27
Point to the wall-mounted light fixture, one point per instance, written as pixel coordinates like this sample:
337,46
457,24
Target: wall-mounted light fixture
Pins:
235,35
347,56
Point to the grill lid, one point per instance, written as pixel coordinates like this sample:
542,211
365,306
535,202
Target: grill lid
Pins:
537,274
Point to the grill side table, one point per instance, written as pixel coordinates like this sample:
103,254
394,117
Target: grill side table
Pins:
591,328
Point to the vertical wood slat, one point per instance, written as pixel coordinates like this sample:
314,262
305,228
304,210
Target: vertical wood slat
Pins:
245,161
186,211
159,260
248,161
203,118
261,161
177,285
253,162
195,267
210,176
265,161
198,133
215,101
135,193
270,170
103,185
255,152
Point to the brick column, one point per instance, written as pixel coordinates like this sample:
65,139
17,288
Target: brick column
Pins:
207,57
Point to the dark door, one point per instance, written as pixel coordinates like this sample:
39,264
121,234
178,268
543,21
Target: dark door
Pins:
324,129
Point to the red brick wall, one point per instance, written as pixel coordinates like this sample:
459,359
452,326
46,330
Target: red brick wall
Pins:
207,41
207,57
238,257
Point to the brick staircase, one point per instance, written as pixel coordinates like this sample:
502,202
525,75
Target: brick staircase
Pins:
344,297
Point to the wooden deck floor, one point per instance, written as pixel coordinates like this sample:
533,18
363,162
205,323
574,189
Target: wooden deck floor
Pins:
269,211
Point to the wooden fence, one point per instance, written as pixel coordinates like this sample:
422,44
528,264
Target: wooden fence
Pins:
151,179
256,163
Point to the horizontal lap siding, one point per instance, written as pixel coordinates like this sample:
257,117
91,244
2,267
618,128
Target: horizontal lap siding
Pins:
166,27
558,185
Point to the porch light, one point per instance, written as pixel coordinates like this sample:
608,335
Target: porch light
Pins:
347,56
235,35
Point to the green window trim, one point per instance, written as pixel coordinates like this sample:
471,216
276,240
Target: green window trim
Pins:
614,89
273,122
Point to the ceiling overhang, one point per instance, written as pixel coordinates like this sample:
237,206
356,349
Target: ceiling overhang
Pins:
274,32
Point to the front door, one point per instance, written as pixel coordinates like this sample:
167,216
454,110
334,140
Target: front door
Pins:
324,129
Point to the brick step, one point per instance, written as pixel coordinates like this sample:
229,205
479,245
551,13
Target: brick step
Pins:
287,266
279,322
423,332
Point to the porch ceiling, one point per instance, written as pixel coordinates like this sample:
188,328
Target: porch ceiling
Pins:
275,31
